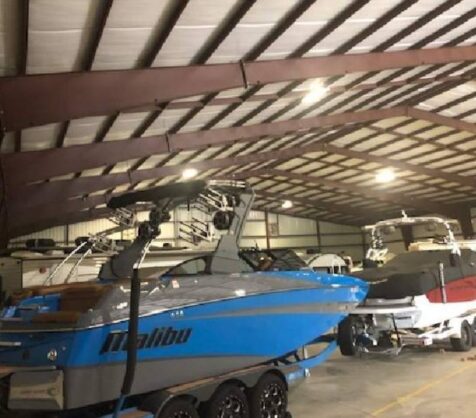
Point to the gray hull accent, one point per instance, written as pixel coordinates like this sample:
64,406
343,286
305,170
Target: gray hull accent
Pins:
91,385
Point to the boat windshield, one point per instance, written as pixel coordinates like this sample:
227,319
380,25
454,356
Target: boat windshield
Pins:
273,260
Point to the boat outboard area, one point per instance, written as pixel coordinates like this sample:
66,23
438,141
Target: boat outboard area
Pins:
423,296
105,346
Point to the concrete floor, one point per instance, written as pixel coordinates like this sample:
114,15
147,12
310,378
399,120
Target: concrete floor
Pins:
429,383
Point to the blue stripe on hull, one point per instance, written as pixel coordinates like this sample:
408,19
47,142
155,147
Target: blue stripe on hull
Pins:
233,327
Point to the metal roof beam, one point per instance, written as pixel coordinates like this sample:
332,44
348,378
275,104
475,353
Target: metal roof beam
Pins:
44,164
317,204
438,119
39,99
382,195
66,219
298,94
56,191
80,216
402,165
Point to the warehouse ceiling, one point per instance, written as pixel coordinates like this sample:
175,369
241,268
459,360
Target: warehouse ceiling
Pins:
92,107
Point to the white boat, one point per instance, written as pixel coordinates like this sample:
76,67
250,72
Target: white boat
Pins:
420,297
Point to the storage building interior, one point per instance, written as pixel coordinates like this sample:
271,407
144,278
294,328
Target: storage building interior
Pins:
201,201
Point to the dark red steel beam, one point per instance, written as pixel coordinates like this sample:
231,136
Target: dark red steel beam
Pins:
403,165
39,165
221,101
82,216
298,213
220,33
48,209
40,99
281,27
86,64
382,195
56,191
22,18
67,218
438,119
317,204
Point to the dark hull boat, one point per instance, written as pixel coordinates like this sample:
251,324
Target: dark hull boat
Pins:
419,297
417,273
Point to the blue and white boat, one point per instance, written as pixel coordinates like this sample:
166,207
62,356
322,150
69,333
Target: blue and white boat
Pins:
68,346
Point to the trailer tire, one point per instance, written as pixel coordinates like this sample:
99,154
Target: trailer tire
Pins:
466,341
474,332
179,407
346,337
269,397
228,400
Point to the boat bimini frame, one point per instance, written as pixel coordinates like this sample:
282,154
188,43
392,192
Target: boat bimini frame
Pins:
377,249
229,203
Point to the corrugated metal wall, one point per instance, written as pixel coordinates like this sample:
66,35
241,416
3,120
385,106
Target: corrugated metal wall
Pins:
283,232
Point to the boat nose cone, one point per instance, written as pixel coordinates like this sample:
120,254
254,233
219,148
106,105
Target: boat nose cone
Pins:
359,288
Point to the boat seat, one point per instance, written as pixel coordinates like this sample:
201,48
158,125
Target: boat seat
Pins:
82,298
50,290
62,317
75,299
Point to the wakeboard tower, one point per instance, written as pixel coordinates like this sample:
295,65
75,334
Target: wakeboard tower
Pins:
165,347
419,297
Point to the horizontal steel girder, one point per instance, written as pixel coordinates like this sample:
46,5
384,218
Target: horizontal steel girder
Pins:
56,191
65,218
437,119
317,204
34,100
382,195
44,164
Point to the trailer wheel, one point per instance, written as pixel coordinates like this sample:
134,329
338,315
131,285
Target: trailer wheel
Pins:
466,341
474,332
347,337
269,398
228,401
178,408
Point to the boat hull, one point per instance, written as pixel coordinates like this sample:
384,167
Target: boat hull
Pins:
187,344
209,340
420,313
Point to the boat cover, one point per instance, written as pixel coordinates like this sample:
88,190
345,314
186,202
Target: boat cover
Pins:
416,273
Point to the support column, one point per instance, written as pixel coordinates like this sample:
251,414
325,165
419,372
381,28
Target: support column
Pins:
66,234
407,235
4,232
266,221
4,237
464,218
318,230
364,244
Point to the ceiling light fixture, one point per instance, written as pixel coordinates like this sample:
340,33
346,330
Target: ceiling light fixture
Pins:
189,173
386,175
287,204
316,92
